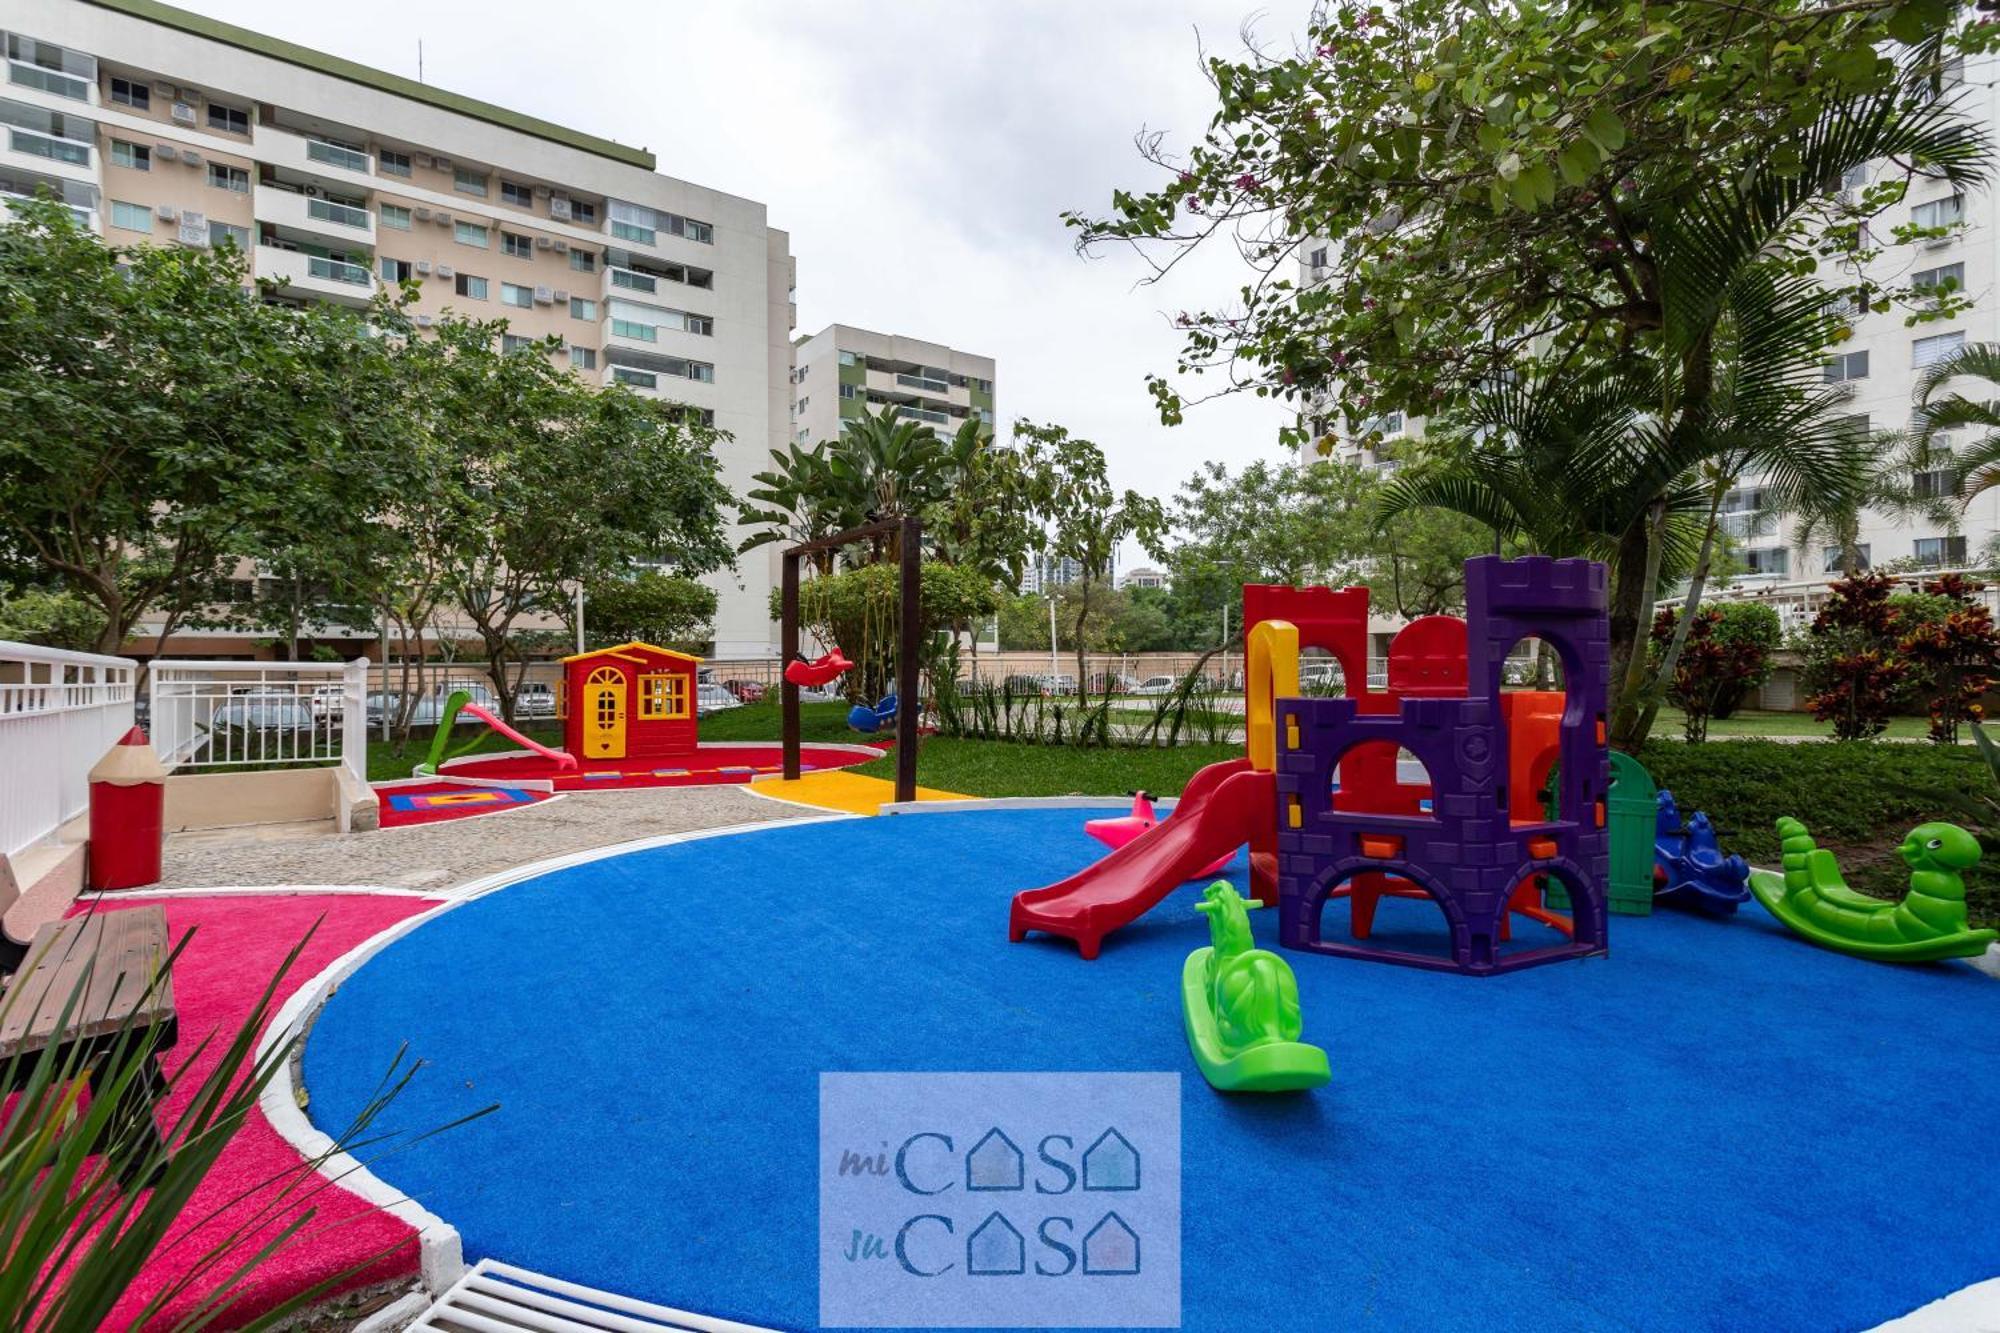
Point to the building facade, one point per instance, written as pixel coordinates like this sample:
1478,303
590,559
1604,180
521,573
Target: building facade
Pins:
841,372
164,127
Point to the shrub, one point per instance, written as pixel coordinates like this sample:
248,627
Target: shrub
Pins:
1953,652
1726,655
1872,648
1852,674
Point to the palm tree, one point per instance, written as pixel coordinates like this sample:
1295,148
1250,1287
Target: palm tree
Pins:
1975,467
1727,385
1887,486
796,500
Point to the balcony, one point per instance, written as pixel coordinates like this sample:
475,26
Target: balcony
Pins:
340,223
288,150
314,275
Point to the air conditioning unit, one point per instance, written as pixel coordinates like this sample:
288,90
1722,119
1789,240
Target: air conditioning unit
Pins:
166,152
190,158
445,271
561,297
423,321
541,192
421,214
543,296
311,191
165,90
424,267
559,207
559,245
541,242
1939,242
183,113
442,219
441,163
165,213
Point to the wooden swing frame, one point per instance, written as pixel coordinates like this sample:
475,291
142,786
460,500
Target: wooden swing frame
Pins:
910,600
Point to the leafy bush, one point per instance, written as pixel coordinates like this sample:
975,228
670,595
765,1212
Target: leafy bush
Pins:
1953,651
1858,800
860,611
1872,649
662,609
1852,674
1727,654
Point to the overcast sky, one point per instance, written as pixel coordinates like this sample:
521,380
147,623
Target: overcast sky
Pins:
919,154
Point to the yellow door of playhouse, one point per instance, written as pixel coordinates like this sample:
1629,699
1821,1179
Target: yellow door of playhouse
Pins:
604,714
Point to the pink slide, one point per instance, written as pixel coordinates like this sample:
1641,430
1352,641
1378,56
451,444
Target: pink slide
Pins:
1222,808
563,759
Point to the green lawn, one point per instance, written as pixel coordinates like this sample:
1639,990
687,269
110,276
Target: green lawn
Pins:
1671,723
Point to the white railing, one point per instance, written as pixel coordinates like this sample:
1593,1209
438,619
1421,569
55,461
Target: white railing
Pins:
260,714
59,713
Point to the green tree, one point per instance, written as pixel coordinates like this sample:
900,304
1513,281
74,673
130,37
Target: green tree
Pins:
1974,467
51,619
1087,519
1528,191
860,609
154,424
657,608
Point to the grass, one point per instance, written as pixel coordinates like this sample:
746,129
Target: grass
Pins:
1750,722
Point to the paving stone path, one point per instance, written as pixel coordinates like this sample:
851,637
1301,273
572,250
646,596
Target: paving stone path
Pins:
446,854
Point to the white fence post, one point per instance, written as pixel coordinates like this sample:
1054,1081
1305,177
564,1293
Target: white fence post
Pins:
59,712
354,727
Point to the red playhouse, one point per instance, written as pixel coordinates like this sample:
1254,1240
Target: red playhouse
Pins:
631,701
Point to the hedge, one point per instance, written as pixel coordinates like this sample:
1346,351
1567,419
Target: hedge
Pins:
1858,797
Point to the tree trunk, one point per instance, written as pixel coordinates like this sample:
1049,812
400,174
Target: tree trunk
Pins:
1690,605
1633,591
1082,615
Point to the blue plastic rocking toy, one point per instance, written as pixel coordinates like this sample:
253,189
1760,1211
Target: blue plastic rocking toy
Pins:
868,720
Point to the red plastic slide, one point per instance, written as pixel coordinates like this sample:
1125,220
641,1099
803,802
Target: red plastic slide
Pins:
563,759
1223,808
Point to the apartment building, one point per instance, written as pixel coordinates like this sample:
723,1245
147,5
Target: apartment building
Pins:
161,126
841,372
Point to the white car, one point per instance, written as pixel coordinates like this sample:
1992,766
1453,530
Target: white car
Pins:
535,699
1157,685
712,698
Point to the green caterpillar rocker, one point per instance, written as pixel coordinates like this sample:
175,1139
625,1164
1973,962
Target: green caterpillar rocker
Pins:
1926,926
1242,1007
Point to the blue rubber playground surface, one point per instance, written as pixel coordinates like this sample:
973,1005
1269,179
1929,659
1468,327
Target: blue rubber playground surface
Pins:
1718,1126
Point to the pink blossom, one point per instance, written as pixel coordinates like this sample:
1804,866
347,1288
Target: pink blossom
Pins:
1246,182
1339,359
1368,303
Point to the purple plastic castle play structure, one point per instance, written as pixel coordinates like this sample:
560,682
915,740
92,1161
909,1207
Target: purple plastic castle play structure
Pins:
1465,853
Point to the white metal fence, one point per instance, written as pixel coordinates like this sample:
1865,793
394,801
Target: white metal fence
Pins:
259,714
59,713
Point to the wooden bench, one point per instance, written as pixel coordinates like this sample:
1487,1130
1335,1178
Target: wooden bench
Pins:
110,962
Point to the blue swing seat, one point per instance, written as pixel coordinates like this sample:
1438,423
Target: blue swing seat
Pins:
868,720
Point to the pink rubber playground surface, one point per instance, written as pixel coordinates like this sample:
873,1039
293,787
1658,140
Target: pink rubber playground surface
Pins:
239,942
711,765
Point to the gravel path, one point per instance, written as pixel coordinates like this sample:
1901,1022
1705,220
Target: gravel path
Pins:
441,855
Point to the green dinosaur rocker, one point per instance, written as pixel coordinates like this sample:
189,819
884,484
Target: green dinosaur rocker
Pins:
1242,1007
1927,925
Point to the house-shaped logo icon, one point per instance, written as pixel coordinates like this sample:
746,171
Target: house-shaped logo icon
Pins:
1111,1163
995,1249
1111,1248
994,1163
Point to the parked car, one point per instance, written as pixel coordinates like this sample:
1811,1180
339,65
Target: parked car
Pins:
712,698
1157,685
429,707
263,715
746,691
535,699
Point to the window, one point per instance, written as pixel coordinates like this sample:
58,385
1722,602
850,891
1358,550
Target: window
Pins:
701,324
132,217
579,308
514,294
467,181
583,358
228,178
1929,351
1939,550
521,196
345,156
848,391
583,261
1855,177
514,342
1846,366
1773,560
396,216
1831,558
127,92
391,162
230,120
1317,258
51,68
629,231
849,359
136,156
467,285
1944,278
626,328
470,233
222,233
1939,212
335,210
663,694
637,378
397,270
803,404
586,213
1935,484
799,375
518,246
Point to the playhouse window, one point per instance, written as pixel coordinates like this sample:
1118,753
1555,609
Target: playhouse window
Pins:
663,694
